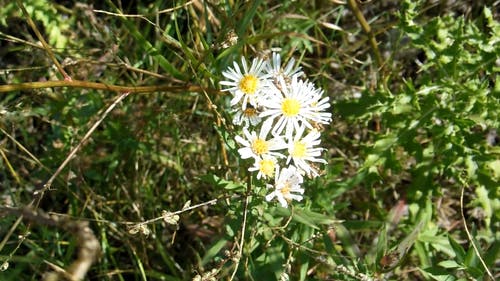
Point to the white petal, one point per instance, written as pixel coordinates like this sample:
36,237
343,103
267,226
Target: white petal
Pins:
282,201
270,196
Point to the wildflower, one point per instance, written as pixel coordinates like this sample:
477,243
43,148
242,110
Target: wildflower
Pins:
278,73
294,105
265,167
246,85
286,186
276,107
303,150
249,116
257,146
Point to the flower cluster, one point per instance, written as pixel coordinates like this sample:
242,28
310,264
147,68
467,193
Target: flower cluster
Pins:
279,112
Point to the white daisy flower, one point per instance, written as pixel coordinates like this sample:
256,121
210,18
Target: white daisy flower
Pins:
257,146
303,150
278,73
249,116
265,167
246,85
297,104
286,186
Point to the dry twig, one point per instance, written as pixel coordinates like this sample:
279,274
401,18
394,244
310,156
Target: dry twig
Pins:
89,247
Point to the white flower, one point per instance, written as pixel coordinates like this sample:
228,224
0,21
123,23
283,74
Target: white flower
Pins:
249,116
247,85
278,73
286,186
294,105
266,167
257,146
303,150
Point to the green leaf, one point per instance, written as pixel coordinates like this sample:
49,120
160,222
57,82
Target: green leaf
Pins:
220,182
382,247
471,166
471,259
439,243
439,274
213,251
348,243
228,139
305,217
485,202
248,15
449,264
382,145
405,245
367,225
304,268
476,271
371,163
402,104
494,167
459,251
148,47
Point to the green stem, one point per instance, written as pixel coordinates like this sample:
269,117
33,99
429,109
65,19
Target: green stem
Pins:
243,225
367,29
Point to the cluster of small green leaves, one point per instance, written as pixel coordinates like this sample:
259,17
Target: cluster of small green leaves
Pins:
437,134
56,27
454,102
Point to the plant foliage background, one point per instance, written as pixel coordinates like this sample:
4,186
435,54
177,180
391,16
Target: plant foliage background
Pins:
411,191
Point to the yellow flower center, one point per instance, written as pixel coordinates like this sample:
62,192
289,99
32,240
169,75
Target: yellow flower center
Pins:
260,146
299,149
249,84
267,167
286,189
250,112
290,107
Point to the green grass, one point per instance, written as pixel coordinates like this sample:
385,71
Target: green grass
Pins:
412,150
